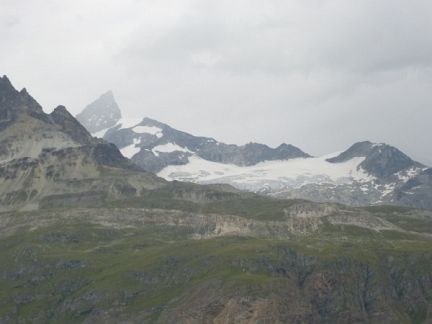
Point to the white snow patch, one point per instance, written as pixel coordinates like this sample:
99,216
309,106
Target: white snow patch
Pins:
131,150
153,130
168,148
101,133
364,188
388,189
404,176
128,122
331,155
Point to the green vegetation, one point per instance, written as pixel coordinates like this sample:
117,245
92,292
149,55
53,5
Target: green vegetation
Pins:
75,271
211,201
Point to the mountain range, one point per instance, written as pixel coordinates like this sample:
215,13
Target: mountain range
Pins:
365,174
89,236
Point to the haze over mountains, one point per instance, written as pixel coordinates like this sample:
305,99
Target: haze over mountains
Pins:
87,235
365,174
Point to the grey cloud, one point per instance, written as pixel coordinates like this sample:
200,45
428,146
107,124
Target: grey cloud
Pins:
320,74
341,35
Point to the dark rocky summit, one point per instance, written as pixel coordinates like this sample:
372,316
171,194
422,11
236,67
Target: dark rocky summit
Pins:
381,160
13,102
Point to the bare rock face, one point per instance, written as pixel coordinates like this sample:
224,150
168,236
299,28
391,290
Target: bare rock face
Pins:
25,130
100,114
71,126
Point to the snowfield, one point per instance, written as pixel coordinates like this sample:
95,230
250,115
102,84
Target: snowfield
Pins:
292,173
101,133
168,148
152,130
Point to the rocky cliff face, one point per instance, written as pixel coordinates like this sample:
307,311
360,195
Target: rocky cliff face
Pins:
12,103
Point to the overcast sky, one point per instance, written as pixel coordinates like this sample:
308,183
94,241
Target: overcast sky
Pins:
320,74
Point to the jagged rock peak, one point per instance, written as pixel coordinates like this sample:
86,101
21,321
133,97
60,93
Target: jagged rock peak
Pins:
101,114
12,101
5,83
7,89
8,94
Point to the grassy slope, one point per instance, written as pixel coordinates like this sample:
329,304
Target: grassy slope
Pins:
73,272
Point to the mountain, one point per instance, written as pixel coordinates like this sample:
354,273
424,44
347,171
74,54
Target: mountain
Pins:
381,160
100,114
365,174
87,236
53,158
25,130
51,161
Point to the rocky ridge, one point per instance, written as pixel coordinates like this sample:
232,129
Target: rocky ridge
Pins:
52,157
